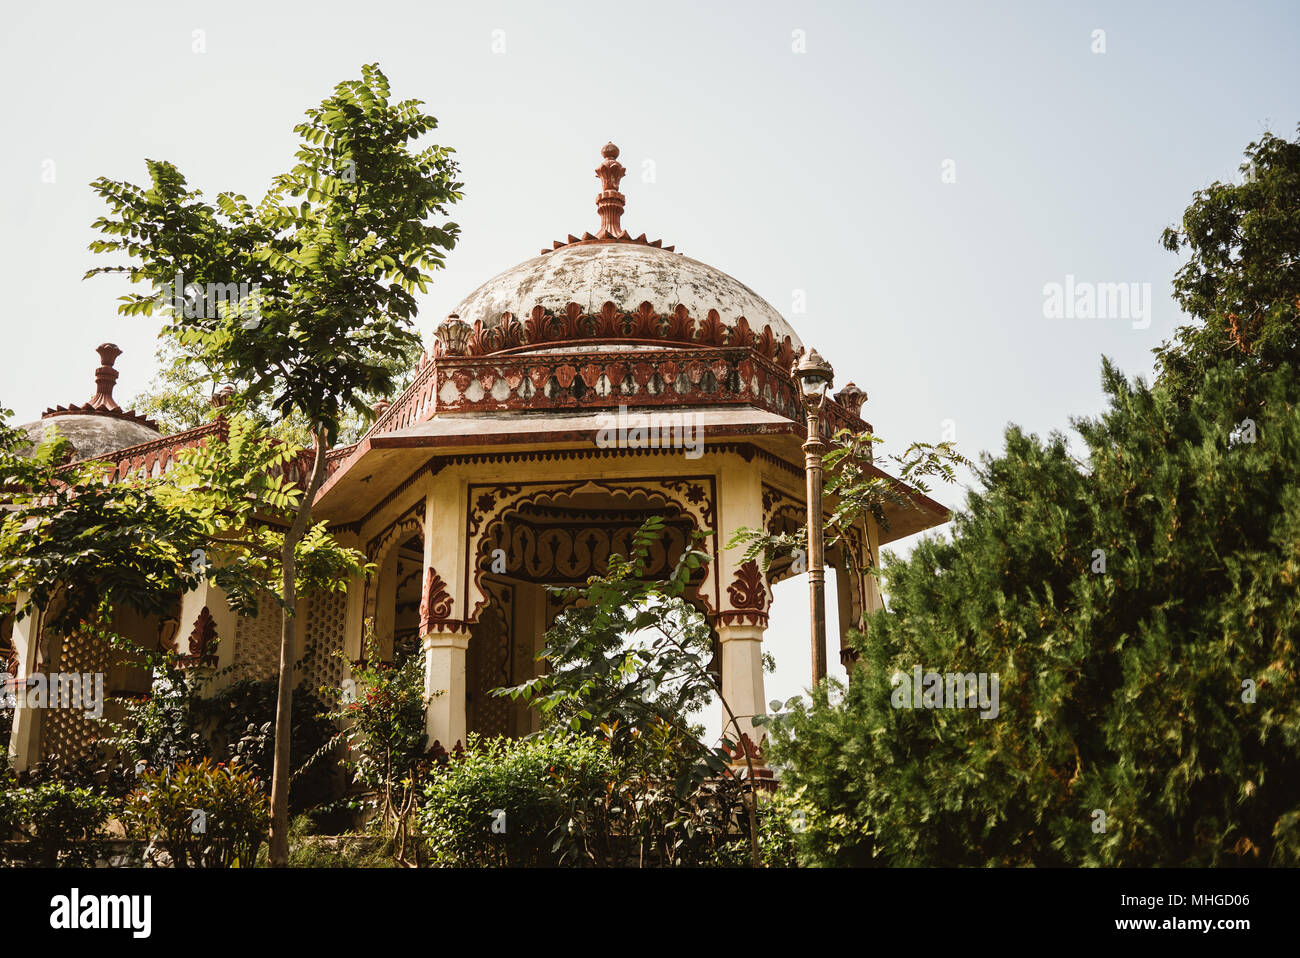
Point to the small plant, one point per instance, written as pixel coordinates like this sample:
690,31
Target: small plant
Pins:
61,821
203,815
537,801
384,710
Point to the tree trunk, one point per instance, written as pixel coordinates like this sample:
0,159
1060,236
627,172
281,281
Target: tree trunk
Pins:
284,699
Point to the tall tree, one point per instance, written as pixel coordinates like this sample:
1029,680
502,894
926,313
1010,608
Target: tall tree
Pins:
77,545
181,393
1241,281
1139,610
323,269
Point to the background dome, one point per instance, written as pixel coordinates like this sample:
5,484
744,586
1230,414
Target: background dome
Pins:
92,435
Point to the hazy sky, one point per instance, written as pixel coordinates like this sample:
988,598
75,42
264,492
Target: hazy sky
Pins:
821,171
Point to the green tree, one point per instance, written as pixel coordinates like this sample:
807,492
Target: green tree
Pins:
78,545
1141,612
1241,280
181,394
330,259
631,659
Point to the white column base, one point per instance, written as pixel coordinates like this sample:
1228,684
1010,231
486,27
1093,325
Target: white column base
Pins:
445,687
742,679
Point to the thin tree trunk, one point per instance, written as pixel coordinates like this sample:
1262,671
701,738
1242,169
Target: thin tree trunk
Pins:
284,699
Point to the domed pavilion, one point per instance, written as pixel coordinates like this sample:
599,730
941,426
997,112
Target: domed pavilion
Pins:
564,401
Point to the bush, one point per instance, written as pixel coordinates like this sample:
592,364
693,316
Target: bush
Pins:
62,822
534,801
1141,612
179,723
780,819
204,815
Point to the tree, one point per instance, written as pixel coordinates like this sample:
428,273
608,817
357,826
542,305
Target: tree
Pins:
1242,276
181,394
328,261
1139,609
855,493
630,658
1141,614
78,545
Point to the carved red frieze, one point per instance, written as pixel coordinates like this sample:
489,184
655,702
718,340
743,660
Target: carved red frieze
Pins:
748,597
435,603
201,647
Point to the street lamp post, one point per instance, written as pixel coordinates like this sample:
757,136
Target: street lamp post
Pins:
815,376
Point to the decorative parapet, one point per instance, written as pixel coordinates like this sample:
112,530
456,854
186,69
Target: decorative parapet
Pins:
154,458
578,378
336,457
583,380
644,325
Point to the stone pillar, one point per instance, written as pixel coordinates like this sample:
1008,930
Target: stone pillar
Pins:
858,592
25,740
206,617
845,593
742,618
354,619
386,610
528,629
444,632
445,686
742,676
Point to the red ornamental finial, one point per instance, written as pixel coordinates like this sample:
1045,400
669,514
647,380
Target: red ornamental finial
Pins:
609,203
105,378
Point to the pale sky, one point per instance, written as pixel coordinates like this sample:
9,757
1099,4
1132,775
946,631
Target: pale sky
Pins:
816,174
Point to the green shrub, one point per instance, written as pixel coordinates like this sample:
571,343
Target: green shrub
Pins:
180,722
535,801
204,815
1149,708
61,821
385,737
780,819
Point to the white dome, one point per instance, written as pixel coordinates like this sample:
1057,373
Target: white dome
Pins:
626,274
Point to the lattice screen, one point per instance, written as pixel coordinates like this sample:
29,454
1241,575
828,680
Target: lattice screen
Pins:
68,733
489,662
257,642
323,634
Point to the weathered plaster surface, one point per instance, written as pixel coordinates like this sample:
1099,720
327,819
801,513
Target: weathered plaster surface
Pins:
626,274
92,435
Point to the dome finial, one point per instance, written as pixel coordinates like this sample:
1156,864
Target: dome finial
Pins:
105,378
610,202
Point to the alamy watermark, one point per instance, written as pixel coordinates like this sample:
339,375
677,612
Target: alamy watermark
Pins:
946,690
206,301
58,690
1084,300
656,430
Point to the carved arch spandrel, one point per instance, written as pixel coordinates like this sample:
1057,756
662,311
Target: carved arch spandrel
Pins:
377,548
693,496
782,512
855,571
